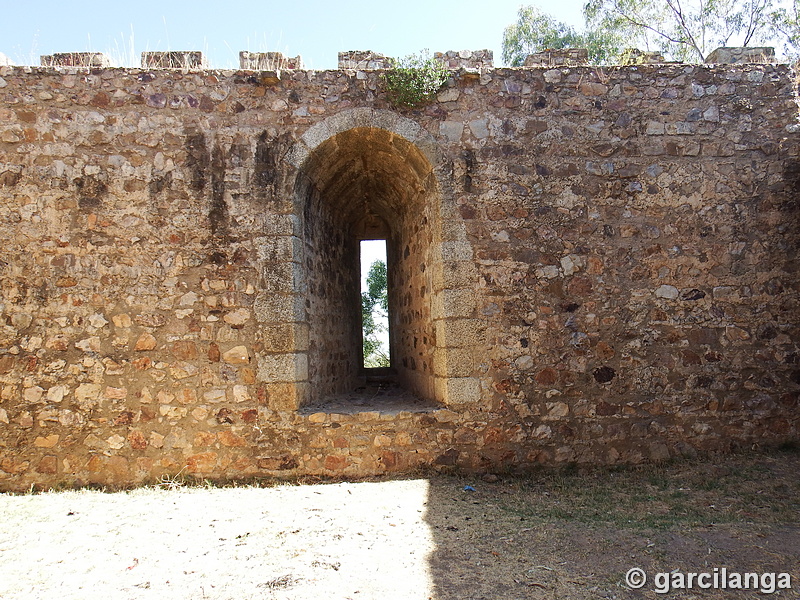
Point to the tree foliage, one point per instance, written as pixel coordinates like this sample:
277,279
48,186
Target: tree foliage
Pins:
375,301
686,30
786,23
536,31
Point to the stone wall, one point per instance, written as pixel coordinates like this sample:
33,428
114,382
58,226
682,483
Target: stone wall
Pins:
268,61
364,60
587,265
742,55
466,59
75,59
557,58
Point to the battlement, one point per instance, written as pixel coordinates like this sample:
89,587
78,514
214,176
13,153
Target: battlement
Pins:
364,60
466,59
367,60
76,59
566,57
173,60
269,61
732,56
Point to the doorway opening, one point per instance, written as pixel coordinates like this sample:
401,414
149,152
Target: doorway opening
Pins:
366,184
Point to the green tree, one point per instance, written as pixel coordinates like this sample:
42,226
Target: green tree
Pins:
536,31
374,301
786,24
686,30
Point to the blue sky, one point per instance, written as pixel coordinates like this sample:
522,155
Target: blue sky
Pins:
315,29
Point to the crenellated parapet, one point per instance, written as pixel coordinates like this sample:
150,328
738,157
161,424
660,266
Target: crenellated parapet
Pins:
368,60
364,60
466,59
269,61
563,57
174,60
76,59
732,56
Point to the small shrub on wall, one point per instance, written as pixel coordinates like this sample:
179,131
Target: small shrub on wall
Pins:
415,80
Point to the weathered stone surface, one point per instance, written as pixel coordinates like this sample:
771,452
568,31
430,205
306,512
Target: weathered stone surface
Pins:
204,462
145,342
670,292
564,56
237,355
268,61
173,60
75,59
46,442
589,265
742,55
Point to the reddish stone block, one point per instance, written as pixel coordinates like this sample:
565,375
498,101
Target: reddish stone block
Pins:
493,435
96,464
780,426
203,438
546,376
100,100
184,350
603,351
124,418
580,286
268,463
145,342
335,463
137,440
48,465
449,458
690,358
241,464
202,463
142,364
117,466
390,459
223,416
6,364
230,439
186,396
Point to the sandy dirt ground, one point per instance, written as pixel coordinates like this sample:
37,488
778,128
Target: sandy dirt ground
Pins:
554,535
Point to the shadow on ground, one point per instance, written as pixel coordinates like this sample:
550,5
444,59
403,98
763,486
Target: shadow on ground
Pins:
574,535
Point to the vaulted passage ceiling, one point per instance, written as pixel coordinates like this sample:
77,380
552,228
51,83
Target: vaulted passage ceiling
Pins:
367,172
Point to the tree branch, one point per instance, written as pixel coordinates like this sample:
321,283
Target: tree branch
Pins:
685,28
658,32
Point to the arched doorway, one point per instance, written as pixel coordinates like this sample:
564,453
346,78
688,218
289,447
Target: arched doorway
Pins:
366,183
